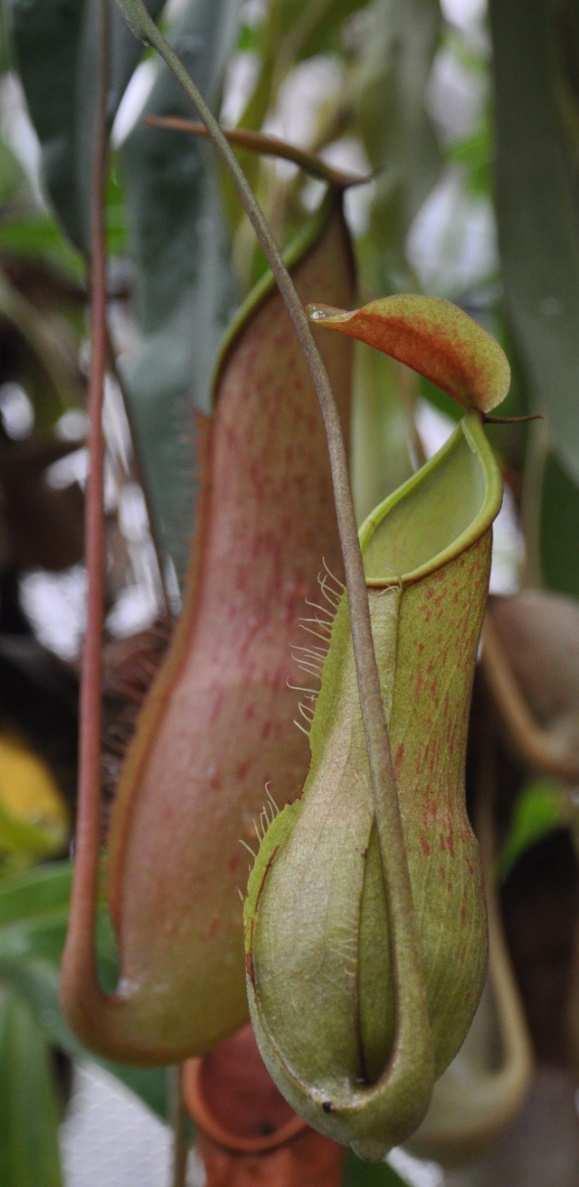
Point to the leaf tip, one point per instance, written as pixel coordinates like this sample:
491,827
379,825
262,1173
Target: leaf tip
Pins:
327,314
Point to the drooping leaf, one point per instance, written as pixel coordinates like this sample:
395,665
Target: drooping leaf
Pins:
29,1153
217,725
321,976
55,45
435,338
538,220
183,280
36,233
33,921
40,893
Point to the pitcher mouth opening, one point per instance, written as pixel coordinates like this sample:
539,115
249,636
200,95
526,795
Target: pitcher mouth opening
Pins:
394,555
250,1116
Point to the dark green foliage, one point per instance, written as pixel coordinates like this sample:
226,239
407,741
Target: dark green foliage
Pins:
55,46
184,285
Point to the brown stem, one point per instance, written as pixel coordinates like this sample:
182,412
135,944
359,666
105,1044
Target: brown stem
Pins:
512,420
79,977
265,145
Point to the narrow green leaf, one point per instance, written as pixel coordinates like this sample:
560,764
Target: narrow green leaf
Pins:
537,212
316,28
38,234
40,893
29,840
29,1154
184,285
13,180
55,45
539,810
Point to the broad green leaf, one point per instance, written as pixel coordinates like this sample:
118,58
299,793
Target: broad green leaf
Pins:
540,808
322,977
55,46
536,186
29,1154
217,727
183,280
33,922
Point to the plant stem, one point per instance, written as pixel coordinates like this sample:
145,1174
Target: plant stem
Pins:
413,1032
265,145
79,959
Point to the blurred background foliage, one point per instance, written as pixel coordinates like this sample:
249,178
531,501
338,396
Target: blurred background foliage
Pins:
465,119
